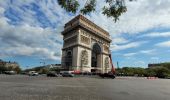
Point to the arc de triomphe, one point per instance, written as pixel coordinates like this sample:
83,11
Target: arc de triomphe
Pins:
86,46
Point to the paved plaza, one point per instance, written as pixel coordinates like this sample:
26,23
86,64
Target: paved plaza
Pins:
21,87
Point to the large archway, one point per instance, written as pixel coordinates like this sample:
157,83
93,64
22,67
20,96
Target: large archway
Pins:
96,51
68,60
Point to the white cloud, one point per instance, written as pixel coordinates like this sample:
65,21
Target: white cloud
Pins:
141,15
1,10
119,40
30,51
152,51
163,44
129,54
126,46
157,34
148,52
28,39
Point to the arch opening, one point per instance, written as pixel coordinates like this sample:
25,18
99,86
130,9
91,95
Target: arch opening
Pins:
68,59
96,51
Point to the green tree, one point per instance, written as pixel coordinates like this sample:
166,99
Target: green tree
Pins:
2,68
56,69
162,72
44,71
17,69
167,65
150,72
141,71
114,8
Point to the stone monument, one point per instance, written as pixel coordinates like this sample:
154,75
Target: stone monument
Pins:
86,46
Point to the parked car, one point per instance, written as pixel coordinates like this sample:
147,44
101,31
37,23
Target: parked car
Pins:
33,73
10,72
52,74
107,75
23,73
67,74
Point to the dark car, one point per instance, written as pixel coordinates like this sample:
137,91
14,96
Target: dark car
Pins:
67,74
107,75
52,74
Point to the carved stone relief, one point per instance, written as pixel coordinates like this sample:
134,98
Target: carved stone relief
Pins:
84,57
106,48
85,39
106,62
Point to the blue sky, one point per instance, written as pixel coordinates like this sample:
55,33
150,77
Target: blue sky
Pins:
30,32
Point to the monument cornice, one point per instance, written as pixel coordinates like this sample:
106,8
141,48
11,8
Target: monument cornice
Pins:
80,25
81,17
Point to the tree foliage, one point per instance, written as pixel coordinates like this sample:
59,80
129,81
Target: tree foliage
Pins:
69,5
44,71
17,69
161,72
2,68
114,8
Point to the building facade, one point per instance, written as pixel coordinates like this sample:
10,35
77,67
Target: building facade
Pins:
11,65
86,46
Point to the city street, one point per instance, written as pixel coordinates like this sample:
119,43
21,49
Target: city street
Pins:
21,87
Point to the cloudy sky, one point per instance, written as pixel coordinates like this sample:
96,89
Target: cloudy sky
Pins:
30,32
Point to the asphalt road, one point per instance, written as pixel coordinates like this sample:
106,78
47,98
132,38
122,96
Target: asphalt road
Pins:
21,87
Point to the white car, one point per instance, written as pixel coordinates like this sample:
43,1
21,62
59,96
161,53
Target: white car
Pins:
10,72
33,73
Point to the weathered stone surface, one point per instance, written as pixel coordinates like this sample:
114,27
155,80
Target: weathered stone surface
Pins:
80,34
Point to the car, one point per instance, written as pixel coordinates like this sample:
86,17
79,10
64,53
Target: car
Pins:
33,73
23,73
107,75
67,74
10,72
52,74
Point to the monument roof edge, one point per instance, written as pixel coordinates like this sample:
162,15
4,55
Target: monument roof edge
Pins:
80,16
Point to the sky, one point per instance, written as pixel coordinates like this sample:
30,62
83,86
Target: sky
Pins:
30,32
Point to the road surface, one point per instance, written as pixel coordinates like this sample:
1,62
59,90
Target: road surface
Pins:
21,87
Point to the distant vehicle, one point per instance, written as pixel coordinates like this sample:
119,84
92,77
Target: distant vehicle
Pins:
67,74
33,73
10,72
76,72
107,75
23,73
52,74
